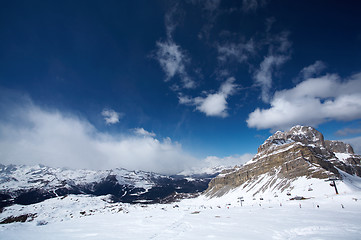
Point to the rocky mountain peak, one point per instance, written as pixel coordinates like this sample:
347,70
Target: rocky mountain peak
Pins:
287,156
303,134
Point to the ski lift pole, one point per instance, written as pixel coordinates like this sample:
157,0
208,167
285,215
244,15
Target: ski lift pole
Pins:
241,200
333,184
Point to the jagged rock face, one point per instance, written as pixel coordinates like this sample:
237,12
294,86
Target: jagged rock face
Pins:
286,156
301,134
338,147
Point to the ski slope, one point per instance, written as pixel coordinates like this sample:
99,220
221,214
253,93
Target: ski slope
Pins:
324,215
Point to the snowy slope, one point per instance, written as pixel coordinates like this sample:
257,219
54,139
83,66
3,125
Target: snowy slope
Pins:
283,160
79,217
26,177
310,189
322,215
304,207
33,184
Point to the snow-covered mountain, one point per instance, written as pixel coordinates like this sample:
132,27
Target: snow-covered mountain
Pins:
296,159
32,184
282,189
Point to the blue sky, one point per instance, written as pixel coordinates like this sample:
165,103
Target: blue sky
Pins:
180,80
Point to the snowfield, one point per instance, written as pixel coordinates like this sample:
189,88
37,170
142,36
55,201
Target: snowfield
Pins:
324,215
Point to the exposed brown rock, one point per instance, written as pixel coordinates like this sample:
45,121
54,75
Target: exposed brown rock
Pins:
21,218
286,156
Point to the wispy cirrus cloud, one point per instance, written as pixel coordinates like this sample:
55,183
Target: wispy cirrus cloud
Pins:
211,12
170,21
312,70
263,76
173,61
213,104
171,57
311,102
278,53
235,52
253,5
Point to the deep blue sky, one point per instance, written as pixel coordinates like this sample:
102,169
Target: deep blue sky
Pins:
83,57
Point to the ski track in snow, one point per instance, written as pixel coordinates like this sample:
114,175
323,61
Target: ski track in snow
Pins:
87,217
192,220
265,214
176,229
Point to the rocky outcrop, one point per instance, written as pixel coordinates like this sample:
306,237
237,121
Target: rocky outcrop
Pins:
285,156
338,147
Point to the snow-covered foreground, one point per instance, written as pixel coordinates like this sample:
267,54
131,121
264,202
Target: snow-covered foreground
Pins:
70,218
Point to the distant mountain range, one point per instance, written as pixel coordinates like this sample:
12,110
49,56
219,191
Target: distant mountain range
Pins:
295,159
21,184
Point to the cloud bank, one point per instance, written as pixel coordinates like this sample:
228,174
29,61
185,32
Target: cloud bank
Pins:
213,161
30,135
311,102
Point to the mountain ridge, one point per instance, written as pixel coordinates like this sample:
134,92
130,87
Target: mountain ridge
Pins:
286,156
22,184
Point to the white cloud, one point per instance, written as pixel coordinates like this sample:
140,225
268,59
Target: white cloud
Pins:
173,62
208,164
213,161
278,53
32,135
169,20
263,76
213,104
111,116
143,132
171,57
311,102
312,70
